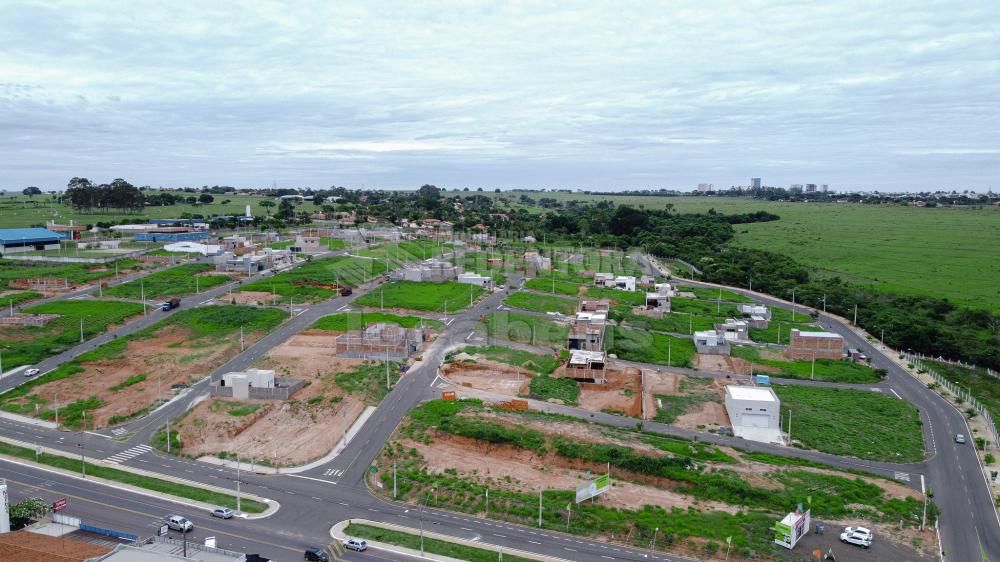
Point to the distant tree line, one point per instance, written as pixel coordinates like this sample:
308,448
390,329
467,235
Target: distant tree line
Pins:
119,195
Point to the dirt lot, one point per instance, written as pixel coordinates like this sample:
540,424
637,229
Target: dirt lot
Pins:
490,376
727,364
286,433
620,393
255,298
170,357
528,471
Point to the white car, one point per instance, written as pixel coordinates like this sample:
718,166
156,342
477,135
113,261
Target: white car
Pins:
356,544
30,372
856,539
178,523
864,531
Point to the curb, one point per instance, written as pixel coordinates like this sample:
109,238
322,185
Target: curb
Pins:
272,508
337,533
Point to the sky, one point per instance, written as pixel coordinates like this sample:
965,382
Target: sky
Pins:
890,96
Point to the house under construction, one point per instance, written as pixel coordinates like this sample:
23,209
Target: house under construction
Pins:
587,366
387,342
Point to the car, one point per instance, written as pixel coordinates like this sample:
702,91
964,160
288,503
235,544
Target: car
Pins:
316,554
178,523
861,531
856,539
356,544
31,372
222,513
960,439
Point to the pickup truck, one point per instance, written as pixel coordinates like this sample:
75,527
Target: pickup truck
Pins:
170,304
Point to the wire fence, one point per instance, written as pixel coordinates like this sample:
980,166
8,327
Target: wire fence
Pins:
961,393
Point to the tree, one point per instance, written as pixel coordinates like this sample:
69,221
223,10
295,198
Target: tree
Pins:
31,191
268,205
27,511
191,200
205,198
285,209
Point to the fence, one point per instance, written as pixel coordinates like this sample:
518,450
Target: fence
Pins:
108,532
283,390
958,391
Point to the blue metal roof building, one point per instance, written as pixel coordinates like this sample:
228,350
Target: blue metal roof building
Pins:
14,240
170,236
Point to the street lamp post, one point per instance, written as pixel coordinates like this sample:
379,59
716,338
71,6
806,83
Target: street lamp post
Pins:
422,506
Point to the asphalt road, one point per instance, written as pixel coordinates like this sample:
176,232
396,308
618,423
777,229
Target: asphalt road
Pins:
313,501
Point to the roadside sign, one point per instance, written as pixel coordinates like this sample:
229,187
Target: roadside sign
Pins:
373,470
164,530
592,488
59,504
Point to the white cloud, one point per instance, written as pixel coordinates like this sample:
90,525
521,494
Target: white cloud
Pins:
487,94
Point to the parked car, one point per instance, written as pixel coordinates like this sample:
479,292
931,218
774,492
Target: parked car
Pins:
960,439
178,523
30,372
856,539
356,544
316,554
861,531
223,513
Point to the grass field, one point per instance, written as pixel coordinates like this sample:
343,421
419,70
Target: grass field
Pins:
631,298
541,303
359,320
825,369
177,281
30,344
678,323
543,364
416,250
325,272
649,347
553,285
125,477
74,273
984,387
367,381
858,423
15,298
25,211
428,297
525,328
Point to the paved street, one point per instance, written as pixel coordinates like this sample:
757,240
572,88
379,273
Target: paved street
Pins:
313,501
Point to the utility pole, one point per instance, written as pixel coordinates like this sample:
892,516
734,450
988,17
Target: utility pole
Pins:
168,436
394,488
238,510
142,291
540,506
812,373
789,426
793,305
824,304
855,314
83,460
241,339
81,329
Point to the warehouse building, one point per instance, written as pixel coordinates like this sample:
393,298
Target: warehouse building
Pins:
17,240
754,412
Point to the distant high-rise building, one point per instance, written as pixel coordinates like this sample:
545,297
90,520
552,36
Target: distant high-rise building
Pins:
755,183
705,187
810,188
824,188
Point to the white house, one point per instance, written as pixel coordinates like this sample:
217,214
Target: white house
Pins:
625,283
476,279
711,342
604,279
194,248
735,330
754,412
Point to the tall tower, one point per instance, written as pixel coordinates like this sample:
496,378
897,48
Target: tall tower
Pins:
755,183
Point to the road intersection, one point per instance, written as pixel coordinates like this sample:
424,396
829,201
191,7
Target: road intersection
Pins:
313,500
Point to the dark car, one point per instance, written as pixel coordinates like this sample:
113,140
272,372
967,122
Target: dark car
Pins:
317,554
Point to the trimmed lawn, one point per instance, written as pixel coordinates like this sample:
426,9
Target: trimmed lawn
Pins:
541,303
543,364
359,320
515,326
548,285
826,369
649,347
174,282
415,295
30,344
313,281
858,423
432,546
146,482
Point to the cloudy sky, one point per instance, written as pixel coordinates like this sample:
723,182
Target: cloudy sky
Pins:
599,95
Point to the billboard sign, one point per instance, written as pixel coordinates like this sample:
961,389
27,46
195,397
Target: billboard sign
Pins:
59,504
593,488
791,529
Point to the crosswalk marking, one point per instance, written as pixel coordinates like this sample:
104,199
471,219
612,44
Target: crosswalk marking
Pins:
128,454
119,431
902,476
333,472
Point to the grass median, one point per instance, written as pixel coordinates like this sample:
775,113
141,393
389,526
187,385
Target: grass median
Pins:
432,546
138,480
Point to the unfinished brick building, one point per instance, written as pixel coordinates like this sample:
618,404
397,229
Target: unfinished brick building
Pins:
818,345
380,341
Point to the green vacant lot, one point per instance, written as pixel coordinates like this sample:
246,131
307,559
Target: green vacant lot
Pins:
825,369
312,281
553,285
415,295
359,320
649,347
75,273
534,362
525,328
857,423
30,344
416,250
174,282
541,303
